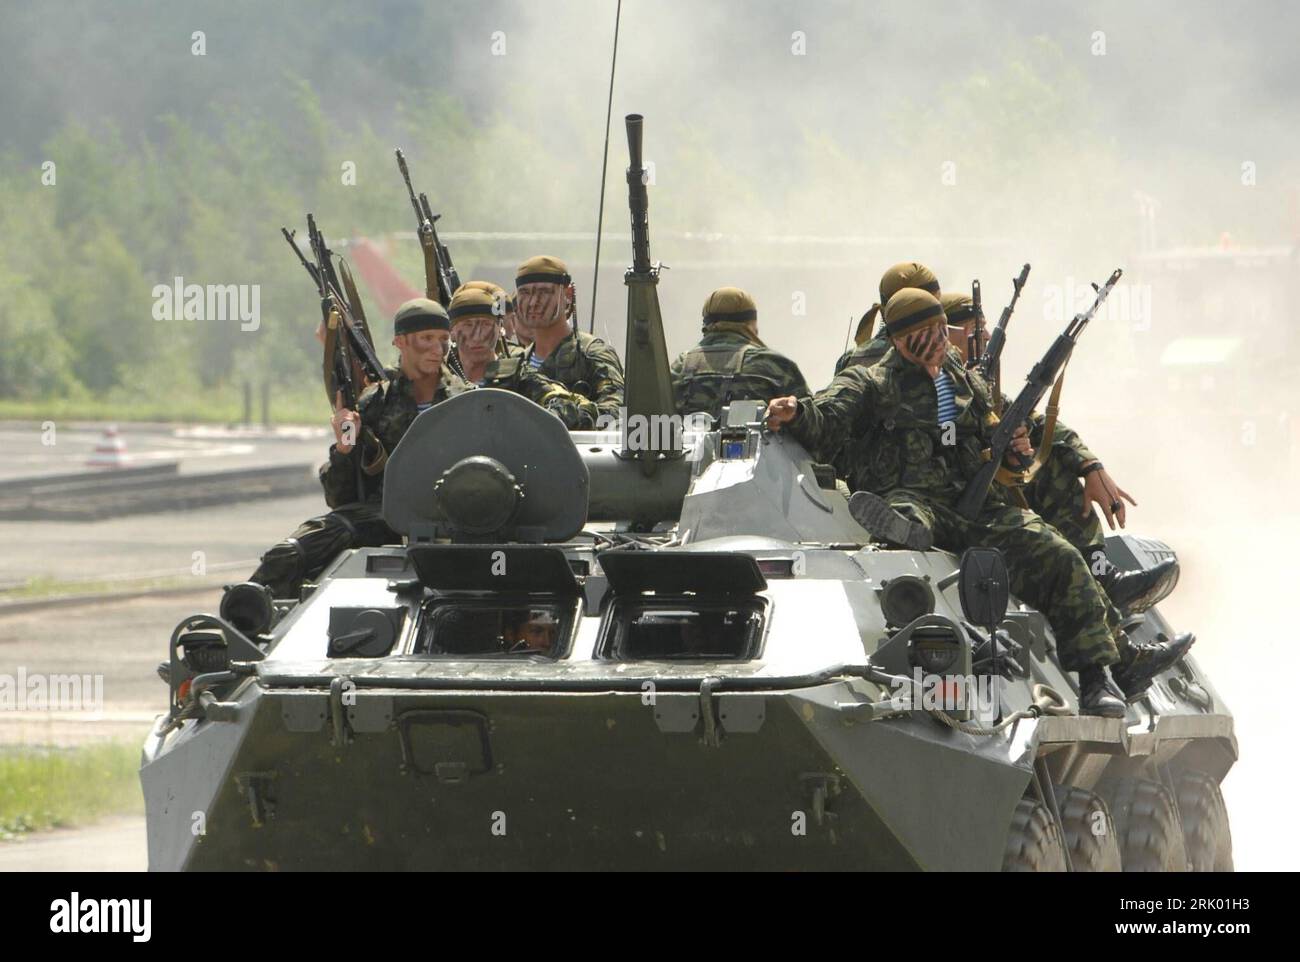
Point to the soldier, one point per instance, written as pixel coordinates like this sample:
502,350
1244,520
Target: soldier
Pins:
475,324
1054,491
730,362
530,631
582,362
1056,495
869,348
478,339
928,421
504,311
421,334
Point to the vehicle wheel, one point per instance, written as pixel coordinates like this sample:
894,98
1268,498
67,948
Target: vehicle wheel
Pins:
1034,843
1206,835
1146,823
1089,830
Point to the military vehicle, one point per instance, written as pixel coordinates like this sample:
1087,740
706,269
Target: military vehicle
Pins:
661,647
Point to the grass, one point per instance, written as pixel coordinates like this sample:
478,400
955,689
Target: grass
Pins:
43,788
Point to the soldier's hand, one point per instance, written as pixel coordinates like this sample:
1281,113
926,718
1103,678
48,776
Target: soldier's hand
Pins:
1099,488
1020,445
347,426
781,411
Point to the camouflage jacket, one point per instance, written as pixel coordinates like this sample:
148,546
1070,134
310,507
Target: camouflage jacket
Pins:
890,411
387,410
585,365
513,373
729,365
868,353
1066,444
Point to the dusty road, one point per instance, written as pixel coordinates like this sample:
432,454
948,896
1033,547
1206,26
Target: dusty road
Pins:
114,845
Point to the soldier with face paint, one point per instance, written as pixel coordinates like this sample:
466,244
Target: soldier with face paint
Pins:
475,324
479,339
582,362
868,348
925,422
1055,492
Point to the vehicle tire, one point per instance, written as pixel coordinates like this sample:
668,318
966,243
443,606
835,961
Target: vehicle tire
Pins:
1146,823
1034,843
1207,838
1090,832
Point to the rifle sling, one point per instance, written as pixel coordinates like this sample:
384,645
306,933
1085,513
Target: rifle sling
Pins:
1049,426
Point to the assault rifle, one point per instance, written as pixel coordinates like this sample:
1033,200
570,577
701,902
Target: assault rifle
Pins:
976,329
358,348
990,362
440,276
1039,380
350,359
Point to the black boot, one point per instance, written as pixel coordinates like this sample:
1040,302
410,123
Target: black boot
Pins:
1098,693
1136,591
1139,664
885,524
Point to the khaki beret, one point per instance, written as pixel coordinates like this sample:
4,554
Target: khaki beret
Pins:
420,314
912,307
542,269
959,308
907,274
729,304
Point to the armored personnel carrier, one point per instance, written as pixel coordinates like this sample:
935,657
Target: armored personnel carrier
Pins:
660,648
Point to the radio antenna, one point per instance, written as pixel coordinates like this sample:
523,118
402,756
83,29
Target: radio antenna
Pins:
604,163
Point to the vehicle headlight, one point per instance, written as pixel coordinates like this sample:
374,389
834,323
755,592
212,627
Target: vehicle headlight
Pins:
904,599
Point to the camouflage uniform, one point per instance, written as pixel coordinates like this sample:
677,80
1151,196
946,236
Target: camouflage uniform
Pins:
1055,493
585,365
892,408
731,364
869,353
387,410
513,373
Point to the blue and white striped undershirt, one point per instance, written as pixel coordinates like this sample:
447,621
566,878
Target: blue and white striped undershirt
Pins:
947,397
534,361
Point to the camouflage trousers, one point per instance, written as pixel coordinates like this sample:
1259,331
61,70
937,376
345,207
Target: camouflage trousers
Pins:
1056,495
1047,571
317,541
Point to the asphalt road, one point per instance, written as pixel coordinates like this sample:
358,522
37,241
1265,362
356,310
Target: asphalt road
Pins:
229,537
200,448
116,844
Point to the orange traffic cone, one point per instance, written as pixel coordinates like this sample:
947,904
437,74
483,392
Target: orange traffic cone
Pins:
110,452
